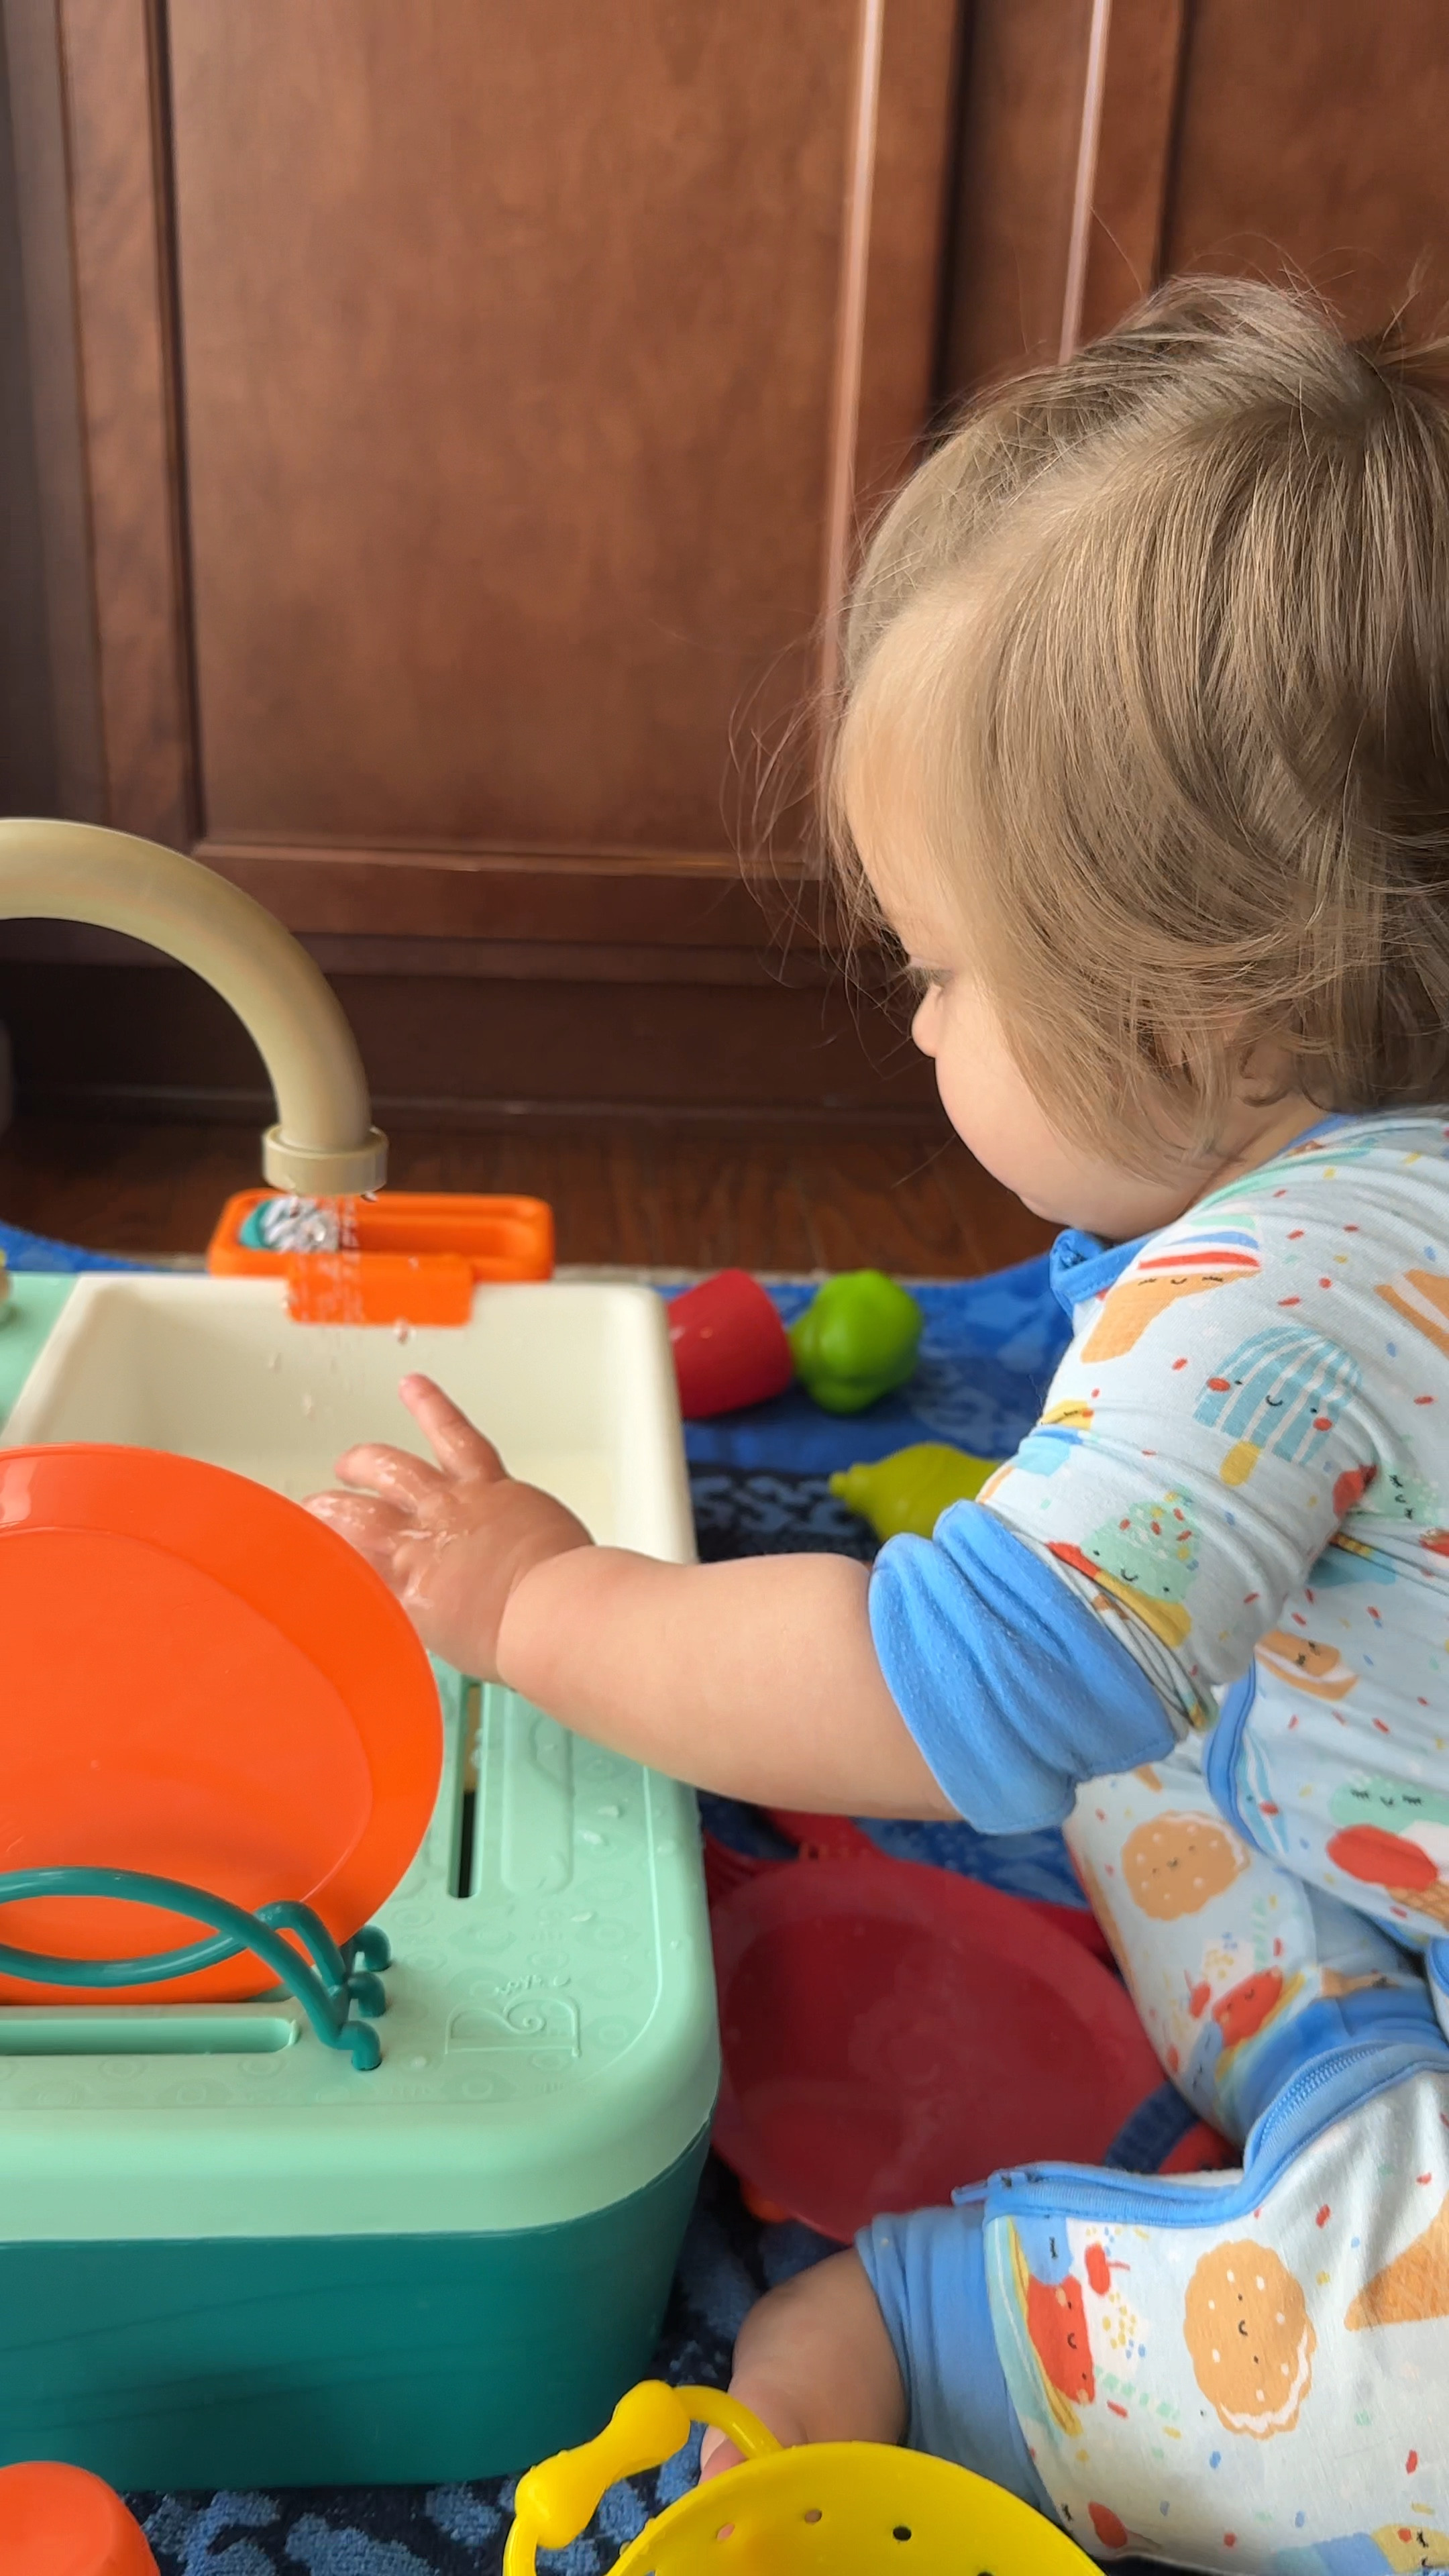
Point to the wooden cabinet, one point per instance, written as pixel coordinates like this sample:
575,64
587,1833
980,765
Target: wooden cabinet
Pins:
450,421
473,398
1108,143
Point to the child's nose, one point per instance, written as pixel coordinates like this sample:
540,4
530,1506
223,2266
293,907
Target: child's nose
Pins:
923,1026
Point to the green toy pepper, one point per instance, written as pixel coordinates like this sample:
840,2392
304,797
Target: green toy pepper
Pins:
856,1340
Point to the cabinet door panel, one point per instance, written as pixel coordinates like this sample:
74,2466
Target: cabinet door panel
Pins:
1108,143
507,356
476,403
1315,138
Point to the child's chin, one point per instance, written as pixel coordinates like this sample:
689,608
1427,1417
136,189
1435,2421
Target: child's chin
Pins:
1049,1215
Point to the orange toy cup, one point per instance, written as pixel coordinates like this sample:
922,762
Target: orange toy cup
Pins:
60,2521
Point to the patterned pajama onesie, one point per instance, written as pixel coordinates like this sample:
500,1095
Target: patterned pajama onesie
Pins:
1202,1616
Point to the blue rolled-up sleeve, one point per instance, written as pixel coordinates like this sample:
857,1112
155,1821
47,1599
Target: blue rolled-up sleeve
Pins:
928,2272
1013,1689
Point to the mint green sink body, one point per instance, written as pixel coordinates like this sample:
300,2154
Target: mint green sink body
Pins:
35,1300
227,2259
412,2360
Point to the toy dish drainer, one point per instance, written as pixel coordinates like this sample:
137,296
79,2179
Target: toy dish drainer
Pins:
408,2214
339,2000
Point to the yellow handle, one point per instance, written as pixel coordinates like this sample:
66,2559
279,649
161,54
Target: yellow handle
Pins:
558,2499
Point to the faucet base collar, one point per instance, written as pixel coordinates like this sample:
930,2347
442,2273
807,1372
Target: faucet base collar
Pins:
322,1173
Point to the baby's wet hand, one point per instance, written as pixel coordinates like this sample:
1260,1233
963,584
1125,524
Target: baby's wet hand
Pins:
450,1540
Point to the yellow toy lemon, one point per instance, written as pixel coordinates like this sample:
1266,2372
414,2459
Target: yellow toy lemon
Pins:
908,1492
831,2509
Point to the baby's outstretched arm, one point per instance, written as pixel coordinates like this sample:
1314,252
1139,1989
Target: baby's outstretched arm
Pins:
757,1679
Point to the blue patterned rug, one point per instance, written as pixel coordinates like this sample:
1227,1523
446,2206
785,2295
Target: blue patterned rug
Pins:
760,1486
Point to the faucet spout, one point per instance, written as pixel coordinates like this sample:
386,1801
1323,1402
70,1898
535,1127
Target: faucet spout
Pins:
324,1143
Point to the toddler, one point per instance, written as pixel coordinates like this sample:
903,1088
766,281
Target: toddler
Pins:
1144,759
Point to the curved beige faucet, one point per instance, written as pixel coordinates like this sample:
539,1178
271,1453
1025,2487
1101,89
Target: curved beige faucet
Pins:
324,1143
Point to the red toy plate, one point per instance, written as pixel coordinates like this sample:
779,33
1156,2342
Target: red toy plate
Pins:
202,1682
891,2032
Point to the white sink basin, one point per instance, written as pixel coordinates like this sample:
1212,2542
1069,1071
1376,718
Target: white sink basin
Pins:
572,1379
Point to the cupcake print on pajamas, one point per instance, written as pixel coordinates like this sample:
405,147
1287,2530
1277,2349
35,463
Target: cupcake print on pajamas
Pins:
1402,1492
1284,1390
1194,1264
1145,1560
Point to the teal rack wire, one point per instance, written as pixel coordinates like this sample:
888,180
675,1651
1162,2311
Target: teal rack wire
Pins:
340,1998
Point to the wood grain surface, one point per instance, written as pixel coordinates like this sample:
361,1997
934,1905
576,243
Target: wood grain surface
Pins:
507,399
654,1194
450,422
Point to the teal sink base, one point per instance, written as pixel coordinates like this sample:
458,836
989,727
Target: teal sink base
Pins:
231,2256
333,2361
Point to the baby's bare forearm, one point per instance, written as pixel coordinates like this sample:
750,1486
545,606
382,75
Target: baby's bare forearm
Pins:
757,1679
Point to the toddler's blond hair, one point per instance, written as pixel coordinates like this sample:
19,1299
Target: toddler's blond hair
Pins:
1153,652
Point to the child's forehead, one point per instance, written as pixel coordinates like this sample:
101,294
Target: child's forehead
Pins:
928,925
901,778
899,858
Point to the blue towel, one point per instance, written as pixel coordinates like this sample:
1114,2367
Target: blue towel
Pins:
988,1349
37,1252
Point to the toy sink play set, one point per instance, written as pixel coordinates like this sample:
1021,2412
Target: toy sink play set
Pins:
357,2030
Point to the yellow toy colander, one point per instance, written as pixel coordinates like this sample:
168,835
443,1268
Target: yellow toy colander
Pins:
831,2509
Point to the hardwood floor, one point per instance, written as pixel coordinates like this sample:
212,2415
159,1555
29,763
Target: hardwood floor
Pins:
656,1194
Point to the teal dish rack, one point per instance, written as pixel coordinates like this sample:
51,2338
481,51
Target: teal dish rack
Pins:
231,2256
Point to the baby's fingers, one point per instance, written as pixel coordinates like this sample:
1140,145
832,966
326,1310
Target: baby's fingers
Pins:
460,1449
373,1528
716,2454
395,1475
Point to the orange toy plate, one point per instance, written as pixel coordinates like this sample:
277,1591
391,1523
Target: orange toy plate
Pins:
202,1682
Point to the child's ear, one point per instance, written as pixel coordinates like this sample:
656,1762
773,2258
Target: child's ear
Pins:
1265,1072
